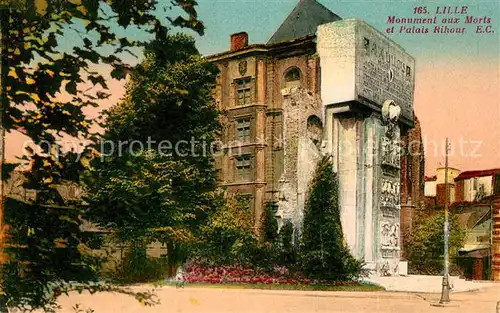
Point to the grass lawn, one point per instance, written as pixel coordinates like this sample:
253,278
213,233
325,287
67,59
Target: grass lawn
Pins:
362,287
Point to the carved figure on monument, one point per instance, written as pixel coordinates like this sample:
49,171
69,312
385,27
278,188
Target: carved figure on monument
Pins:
391,149
394,236
390,115
390,235
285,202
314,129
389,269
385,270
385,232
390,194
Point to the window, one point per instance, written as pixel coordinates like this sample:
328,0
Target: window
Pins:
218,168
243,165
314,129
243,91
246,201
292,78
243,130
497,185
484,238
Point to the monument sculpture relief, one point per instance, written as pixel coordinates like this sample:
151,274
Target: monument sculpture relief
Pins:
390,235
390,195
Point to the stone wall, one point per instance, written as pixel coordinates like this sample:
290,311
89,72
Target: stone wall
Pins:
302,132
13,188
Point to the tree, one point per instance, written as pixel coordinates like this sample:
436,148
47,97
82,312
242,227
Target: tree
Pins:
269,224
166,190
39,70
228,237
324,253
426,248
287,251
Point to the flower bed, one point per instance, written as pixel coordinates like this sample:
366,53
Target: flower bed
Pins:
242,275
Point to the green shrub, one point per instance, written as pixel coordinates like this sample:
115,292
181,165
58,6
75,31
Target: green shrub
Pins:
137,267
425,250
287,251
323,251
269,224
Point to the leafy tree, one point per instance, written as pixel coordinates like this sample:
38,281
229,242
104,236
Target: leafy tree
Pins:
162,188
40,68
324,253
426,248
228,236
59,254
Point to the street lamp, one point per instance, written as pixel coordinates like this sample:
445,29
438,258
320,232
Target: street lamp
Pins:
445,293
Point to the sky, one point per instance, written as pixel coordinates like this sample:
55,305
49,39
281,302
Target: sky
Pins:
457,92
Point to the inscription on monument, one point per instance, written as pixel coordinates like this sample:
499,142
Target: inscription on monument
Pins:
365,66
384,70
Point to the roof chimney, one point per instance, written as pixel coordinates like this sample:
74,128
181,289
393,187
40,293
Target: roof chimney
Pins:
239,41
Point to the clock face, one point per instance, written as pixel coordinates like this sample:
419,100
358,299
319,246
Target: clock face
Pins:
242,67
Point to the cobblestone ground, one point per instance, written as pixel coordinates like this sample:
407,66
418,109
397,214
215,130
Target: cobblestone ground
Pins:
212,300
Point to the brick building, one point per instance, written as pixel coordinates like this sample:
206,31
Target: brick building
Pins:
467,186
474,197
412,179
250,88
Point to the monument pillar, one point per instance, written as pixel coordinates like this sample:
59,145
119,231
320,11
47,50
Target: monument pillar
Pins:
367,87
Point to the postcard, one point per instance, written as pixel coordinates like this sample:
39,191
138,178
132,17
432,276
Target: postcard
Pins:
250,156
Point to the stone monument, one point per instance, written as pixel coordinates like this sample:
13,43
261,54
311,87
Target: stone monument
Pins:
367,87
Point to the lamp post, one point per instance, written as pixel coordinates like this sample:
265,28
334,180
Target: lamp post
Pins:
445,293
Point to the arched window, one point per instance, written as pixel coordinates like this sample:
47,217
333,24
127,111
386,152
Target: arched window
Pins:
292,78
314,129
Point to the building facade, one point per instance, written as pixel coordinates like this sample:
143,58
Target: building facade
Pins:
467,186
412,180
251,90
